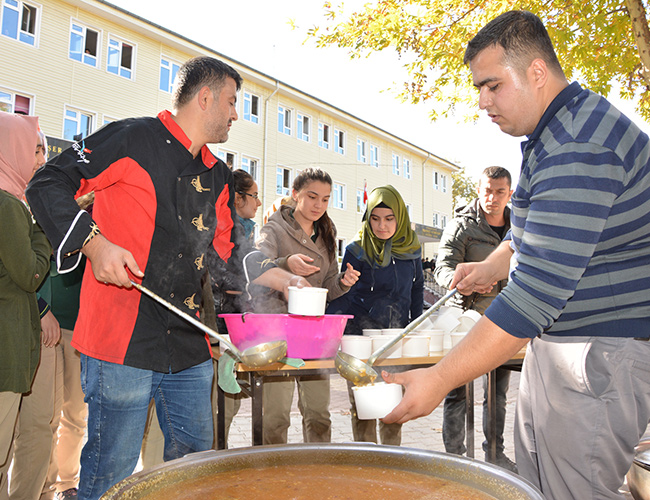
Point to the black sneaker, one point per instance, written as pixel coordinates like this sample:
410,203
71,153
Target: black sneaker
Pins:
503,461
69,494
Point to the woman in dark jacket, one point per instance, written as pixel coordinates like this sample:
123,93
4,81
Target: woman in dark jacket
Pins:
390,290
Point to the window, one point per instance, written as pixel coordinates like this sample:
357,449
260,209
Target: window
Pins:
168,70
361,206
228,158
282,180
407,168
284,120
84,44
340,248
20,21
120,58
339,141
77,124
443,221
338,196
251,166
304,128
436,220
15,103
408,209
324,136
108,119
436,181
361,151
251,107
396,165
443,183
374,156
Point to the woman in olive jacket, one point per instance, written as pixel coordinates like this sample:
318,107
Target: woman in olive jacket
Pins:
24,262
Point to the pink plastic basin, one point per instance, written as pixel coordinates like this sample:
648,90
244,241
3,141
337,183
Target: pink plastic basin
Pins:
308,337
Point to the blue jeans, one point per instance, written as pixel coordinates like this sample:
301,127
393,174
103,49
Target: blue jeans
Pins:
118,399
453,421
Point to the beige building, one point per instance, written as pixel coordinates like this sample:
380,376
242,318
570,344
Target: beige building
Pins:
78,64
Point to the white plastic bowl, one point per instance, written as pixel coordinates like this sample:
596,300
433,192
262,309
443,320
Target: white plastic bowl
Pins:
393,352
356,345
454,311
377,400
415,346
468,319
457,337
436,338
427,324
446,322
369,332
307,301
393,332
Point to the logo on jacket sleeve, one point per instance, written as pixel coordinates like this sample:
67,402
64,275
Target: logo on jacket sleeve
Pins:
82,151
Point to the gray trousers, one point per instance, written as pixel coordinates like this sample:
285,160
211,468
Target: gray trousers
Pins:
584,404
454,412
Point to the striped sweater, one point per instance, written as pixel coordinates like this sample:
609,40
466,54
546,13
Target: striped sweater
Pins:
580,225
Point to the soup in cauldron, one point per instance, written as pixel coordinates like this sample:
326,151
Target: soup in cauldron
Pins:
318,481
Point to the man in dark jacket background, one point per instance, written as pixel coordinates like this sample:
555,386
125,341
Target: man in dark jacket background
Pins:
471,236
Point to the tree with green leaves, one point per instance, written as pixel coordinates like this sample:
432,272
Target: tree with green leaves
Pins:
599,43
463,189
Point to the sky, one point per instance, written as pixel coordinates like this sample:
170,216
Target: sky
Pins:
258,33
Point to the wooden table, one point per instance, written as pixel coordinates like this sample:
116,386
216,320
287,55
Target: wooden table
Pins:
254,387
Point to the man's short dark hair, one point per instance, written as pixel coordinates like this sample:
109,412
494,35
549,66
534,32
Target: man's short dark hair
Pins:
196,74
498,173
523,38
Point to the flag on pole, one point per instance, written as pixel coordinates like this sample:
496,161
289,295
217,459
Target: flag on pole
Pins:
365,192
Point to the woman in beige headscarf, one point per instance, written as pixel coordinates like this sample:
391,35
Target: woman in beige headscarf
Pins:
24,262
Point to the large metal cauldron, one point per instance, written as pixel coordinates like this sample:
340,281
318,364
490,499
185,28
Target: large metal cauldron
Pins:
487,478
638,478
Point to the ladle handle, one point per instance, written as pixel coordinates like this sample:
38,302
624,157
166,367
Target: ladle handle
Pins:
410,327
187,317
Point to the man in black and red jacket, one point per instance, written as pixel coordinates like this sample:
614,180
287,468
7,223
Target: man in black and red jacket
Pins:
162,203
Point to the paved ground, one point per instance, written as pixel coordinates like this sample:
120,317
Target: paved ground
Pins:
424,433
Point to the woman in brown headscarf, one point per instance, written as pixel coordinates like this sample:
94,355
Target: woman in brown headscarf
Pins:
24,262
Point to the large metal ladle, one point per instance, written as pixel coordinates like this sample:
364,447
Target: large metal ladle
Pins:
362,373
255,357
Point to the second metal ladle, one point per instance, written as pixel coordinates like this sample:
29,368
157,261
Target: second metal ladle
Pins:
362,373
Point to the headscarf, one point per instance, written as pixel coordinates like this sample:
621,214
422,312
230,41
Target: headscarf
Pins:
18,140
404,244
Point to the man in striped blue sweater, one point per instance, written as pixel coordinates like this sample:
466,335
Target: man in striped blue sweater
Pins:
579,268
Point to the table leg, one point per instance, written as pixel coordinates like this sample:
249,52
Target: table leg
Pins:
257,397
492,415
469,407
221,419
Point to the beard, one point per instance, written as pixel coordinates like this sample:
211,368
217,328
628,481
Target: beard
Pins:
217,131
